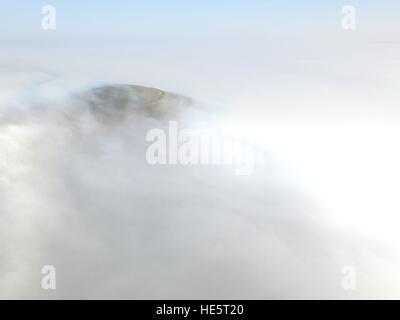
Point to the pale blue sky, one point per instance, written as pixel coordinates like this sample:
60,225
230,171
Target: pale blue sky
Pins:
91,18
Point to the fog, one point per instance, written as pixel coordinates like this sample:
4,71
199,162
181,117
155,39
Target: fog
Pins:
77,192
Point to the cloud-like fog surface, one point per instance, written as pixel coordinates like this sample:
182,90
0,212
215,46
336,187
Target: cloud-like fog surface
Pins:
76,192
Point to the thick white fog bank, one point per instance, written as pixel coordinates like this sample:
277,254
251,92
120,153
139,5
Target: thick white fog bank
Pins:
77,192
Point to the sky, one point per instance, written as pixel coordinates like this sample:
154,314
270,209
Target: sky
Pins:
320,102
182,18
